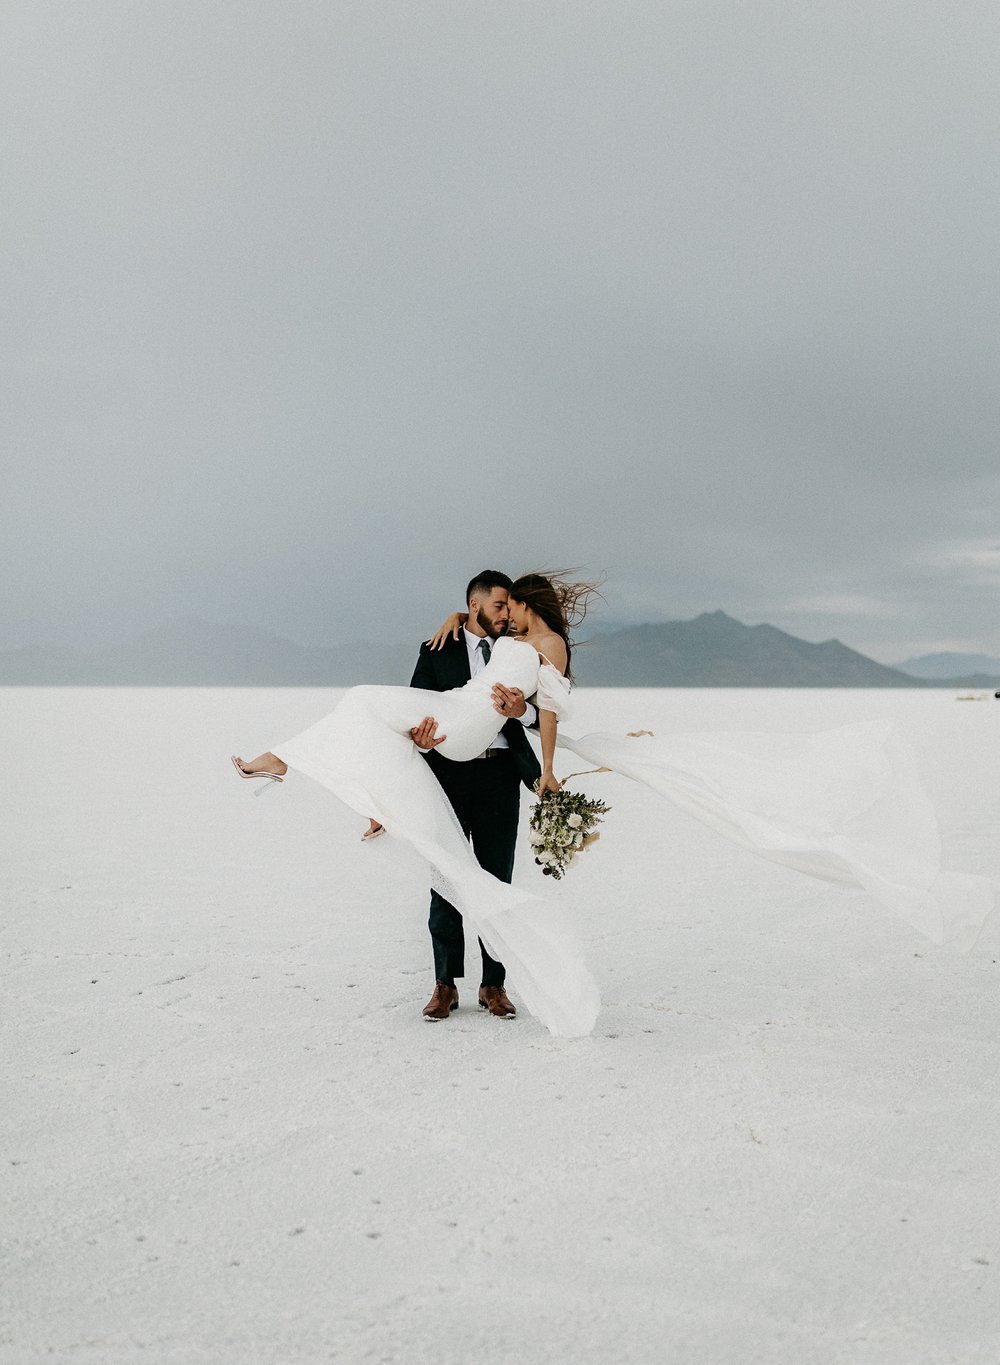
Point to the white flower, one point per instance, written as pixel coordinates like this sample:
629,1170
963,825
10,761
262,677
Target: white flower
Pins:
575,821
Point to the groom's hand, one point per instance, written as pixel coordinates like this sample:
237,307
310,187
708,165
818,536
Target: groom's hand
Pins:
509,702
423,734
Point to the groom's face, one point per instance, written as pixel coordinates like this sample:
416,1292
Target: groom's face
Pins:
492,614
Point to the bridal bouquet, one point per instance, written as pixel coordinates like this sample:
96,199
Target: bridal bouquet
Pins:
562,825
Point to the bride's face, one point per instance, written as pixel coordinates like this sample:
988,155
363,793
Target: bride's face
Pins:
519,616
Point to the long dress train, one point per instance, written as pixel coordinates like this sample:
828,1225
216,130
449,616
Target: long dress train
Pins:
363,753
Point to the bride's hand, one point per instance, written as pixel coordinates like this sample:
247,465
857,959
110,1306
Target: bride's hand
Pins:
548,783
451,628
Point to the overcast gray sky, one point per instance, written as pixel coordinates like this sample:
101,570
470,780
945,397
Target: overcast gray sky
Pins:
311,309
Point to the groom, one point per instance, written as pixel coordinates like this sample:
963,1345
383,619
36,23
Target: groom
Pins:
484,793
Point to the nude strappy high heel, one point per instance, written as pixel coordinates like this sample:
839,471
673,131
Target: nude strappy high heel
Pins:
244,771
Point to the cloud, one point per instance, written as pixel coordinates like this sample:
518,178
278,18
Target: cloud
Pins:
977,561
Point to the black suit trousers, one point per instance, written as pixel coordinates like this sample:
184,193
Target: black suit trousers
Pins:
485,795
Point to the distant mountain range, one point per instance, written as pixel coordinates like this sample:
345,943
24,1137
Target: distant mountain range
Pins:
192,653
952,666
713,650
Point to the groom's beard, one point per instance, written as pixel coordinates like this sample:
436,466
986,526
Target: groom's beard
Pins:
490,627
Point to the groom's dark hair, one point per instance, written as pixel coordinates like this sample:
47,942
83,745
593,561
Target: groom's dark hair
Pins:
484,583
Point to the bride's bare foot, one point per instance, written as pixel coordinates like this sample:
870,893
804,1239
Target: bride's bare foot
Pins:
267,763
373,831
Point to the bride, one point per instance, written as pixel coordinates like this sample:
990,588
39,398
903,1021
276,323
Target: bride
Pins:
844,805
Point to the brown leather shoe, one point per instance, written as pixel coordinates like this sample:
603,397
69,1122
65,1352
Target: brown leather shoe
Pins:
442,1002
494,999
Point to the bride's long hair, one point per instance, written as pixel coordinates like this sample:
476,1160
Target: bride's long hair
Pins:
560,600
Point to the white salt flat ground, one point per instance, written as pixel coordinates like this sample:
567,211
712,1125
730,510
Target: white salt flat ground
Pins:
228,1135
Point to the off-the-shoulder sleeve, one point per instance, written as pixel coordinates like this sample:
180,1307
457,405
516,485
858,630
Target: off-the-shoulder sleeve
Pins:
553,691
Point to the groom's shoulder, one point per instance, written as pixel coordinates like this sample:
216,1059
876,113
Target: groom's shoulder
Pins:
450,647
437,667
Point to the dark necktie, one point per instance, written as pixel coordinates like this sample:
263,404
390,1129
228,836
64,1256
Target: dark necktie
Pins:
484,645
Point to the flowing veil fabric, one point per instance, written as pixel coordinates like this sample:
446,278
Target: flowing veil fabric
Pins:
845,805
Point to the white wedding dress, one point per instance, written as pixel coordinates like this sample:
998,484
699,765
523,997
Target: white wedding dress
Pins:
845,805
363,753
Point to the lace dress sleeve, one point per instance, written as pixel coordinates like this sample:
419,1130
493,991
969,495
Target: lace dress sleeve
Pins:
553,691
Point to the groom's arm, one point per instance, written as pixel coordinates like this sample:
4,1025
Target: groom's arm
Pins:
511,704
424,676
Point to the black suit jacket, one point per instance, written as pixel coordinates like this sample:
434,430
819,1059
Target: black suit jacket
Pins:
439,670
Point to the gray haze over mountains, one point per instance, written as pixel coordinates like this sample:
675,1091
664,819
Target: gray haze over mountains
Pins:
712,650
312,310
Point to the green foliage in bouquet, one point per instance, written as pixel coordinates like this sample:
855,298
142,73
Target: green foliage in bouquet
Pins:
563,825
